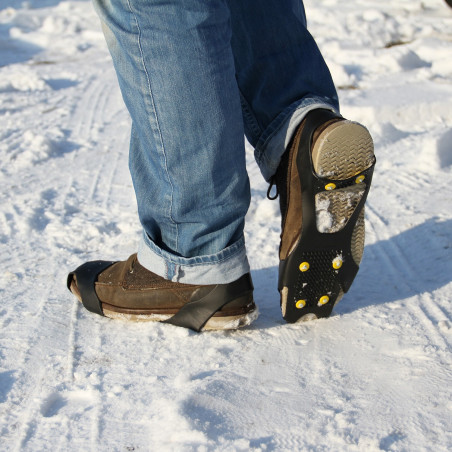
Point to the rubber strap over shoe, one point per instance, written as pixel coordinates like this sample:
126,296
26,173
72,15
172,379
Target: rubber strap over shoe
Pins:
195,314
86,278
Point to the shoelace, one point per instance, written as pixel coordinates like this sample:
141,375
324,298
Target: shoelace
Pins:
270,187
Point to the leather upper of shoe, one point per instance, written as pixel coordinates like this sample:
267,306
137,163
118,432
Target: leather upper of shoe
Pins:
127,284
288,183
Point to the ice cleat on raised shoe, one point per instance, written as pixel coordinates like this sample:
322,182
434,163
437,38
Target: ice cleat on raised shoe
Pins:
323,181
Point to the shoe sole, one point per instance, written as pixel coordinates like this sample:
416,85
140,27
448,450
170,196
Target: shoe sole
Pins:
335,180
232,322
216,322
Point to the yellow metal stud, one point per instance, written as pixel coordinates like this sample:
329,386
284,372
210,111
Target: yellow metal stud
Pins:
300,304
324,300
359,179
304,266
337,262
330,186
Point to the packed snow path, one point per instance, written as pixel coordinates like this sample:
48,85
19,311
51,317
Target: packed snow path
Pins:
374,376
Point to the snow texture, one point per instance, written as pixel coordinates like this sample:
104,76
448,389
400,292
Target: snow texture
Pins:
374,376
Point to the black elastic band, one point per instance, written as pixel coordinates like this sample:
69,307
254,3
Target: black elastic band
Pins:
196,313
86,276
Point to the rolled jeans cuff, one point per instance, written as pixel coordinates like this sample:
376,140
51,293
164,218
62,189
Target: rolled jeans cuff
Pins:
224,267
273,143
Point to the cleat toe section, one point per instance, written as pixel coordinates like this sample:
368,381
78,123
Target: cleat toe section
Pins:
300,304
323,300
314,291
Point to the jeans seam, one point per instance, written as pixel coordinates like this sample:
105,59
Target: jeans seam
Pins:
250,118
156,120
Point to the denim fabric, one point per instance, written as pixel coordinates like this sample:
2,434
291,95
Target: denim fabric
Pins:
196,75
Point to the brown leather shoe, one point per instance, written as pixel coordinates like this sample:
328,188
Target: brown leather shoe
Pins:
323,181
127,290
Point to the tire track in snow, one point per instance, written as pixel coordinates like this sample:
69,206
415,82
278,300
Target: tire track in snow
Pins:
34,370
441,315
423,311
102,101
71,355
46,381
55,399
85,115
299,382
87,107
107,186
399,268
102,106
29,368
97,415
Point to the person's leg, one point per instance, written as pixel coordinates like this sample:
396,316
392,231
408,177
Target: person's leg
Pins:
321,164
280,72
176,72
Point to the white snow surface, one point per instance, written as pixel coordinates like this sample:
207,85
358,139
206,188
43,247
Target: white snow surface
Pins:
374,376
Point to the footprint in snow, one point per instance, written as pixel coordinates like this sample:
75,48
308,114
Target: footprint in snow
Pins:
68,402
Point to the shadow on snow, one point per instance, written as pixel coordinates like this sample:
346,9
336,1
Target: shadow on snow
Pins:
411,263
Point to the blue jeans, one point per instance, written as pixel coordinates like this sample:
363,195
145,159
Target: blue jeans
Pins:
196,76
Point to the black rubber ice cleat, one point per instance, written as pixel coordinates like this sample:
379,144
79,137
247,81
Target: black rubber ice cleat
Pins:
334,175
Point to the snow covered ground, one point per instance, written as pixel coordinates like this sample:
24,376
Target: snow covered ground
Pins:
377,375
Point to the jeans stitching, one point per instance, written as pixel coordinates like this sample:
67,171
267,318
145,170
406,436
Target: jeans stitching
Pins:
156,121
250,118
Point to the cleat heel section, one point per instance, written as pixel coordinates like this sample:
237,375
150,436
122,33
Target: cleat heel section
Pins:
342,151
335,208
